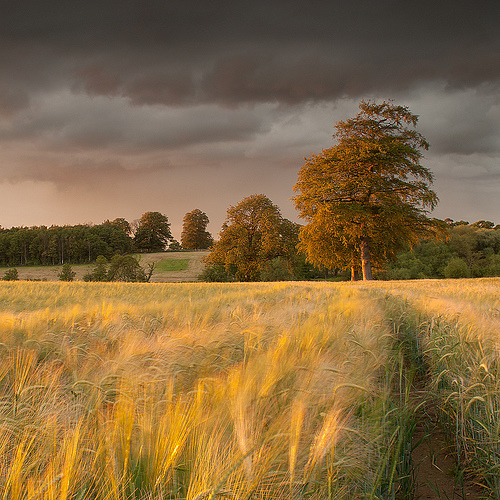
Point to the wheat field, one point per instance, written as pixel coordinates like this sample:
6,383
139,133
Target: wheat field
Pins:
244,391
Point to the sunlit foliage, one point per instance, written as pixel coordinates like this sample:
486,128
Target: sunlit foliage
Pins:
367,196
254,234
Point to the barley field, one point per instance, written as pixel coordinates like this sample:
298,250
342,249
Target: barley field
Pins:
244,391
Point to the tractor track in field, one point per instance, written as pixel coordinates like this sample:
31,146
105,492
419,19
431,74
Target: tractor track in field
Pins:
437,473
434,459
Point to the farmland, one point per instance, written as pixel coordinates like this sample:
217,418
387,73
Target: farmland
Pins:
247,391
169,267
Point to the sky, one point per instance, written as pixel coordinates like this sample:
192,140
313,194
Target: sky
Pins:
112,108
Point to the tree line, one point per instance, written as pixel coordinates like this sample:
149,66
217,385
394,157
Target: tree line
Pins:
84,243
20,246
470,250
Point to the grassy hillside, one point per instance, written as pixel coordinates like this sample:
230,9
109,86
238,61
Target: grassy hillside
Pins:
257,390
170,267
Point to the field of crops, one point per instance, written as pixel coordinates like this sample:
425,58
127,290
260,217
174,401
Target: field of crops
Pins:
245,391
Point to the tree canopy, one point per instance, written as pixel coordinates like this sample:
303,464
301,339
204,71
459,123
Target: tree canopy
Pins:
469,250
254,234
194,234
368,196
62,244
153,232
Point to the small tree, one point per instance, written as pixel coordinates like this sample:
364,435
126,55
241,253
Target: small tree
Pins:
368,196
194,234
100,271
67,273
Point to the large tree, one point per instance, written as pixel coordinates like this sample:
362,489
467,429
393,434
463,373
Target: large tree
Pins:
194,234
367,196
253,234
153,232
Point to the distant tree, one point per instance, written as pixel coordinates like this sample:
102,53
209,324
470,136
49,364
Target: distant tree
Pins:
11,275
174,246
116,235
253,234
484,224
122,224
152,233
194,234
368,196
100,271
67,273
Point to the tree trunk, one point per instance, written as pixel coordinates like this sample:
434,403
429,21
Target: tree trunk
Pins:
353,273
365,259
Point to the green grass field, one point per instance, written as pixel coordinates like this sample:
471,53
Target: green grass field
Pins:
167,265
244,391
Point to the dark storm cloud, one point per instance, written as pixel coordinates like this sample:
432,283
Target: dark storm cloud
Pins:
180,52
459,121
64,122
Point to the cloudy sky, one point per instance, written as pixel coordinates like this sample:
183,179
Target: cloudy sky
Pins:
111,108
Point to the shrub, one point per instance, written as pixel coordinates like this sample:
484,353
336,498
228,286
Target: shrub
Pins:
11,275
215,273
175,246
457,268
276,270
401,273
126,268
